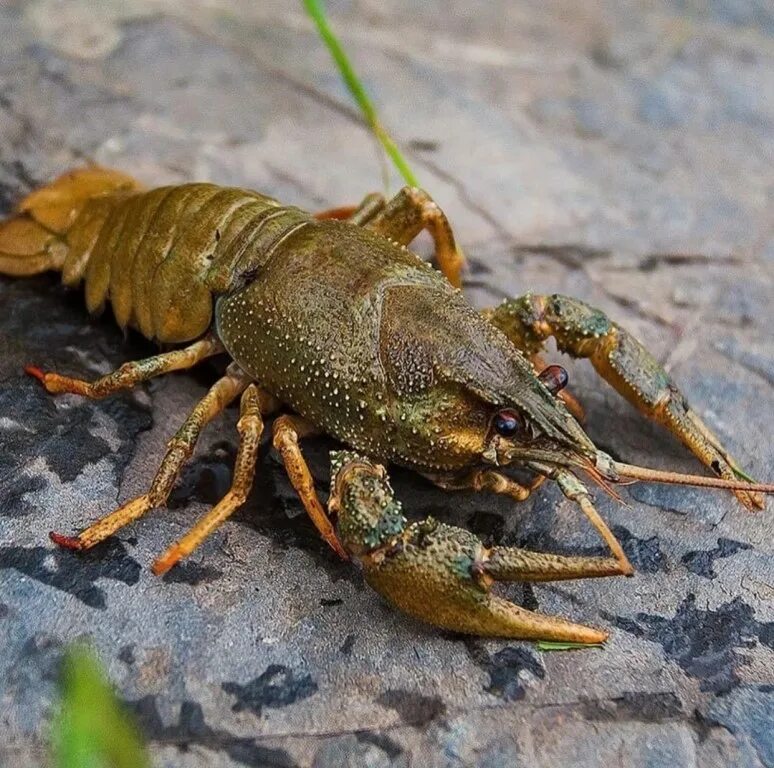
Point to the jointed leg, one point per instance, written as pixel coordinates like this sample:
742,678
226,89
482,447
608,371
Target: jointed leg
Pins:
413,210
624,363
288,430
574,490
402,219
443,574
130,374
180,448
356,214
250,427
487,480
571,487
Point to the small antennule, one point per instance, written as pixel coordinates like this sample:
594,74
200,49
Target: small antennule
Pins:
677,478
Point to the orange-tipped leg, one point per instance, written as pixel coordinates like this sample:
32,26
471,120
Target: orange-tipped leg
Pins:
129,374
413,210
250,427
287,432
180,448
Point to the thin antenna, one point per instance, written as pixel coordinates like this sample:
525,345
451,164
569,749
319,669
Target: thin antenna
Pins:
678,478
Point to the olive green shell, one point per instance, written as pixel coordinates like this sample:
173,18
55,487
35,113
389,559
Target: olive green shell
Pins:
156,256
351,330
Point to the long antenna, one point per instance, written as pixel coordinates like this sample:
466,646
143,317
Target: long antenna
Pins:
678,478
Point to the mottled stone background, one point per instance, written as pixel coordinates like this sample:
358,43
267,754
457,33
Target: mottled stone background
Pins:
620,150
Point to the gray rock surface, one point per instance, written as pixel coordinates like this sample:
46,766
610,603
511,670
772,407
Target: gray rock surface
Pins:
618,151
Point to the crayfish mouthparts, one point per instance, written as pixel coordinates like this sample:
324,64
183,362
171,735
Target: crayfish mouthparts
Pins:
606,467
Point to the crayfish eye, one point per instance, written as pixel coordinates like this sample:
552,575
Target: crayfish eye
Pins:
555,378
507,423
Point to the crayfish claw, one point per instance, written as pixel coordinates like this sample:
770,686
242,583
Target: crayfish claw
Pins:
443,584
442,574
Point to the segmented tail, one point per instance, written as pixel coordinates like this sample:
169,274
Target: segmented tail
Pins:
35,238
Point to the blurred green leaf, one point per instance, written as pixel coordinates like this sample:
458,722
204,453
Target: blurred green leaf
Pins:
550,645
316,10
92,729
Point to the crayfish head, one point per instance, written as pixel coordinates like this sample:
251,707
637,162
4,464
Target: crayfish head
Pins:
526,422
466,395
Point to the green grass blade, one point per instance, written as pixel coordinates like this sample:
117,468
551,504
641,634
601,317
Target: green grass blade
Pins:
550,645
92,730
316,10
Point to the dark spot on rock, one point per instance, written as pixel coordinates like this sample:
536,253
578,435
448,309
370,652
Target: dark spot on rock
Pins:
505,668
644,554
126,654
41,644
528,598
38,660
700,561
603,56
704,642
564,594
635,705
413,708
279,686
192,729
385,743
347,645
4,610
66,439
75,573
327,602
206,479
192,573
424,145
477,267
488,526
12,501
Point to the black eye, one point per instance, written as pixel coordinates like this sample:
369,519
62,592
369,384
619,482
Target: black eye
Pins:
507,423
555,378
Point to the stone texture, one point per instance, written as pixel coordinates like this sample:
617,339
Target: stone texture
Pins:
618,151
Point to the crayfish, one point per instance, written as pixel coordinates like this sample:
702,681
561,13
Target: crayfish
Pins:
331,318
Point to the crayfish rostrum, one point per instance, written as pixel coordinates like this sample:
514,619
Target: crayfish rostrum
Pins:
331,318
